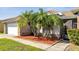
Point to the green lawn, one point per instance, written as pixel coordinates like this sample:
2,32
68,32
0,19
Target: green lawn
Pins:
1,33
10,45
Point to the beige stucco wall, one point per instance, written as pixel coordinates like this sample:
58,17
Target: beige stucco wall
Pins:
1,27
77,22
25,30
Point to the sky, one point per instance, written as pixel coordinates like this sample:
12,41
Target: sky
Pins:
8,12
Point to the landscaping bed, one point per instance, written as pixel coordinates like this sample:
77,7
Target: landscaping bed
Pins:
40,40
10,45
73,35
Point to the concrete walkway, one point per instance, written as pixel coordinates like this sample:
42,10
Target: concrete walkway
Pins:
57,47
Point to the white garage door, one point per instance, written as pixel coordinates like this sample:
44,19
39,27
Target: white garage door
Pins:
12,29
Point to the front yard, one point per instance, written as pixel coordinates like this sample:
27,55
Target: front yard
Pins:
10,45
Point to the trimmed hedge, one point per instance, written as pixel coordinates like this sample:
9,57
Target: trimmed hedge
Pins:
73,35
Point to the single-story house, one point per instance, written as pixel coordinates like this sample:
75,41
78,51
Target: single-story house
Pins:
69,19
11,27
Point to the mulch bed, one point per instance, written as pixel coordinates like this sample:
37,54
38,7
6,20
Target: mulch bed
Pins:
40,39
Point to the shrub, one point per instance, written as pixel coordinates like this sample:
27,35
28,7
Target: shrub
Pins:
73,35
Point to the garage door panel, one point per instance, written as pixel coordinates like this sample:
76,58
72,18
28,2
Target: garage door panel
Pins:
12,29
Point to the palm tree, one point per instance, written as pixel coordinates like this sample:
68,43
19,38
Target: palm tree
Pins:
24,19
33,23
53,21
40,20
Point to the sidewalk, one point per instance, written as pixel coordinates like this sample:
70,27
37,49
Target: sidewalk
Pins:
57,47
